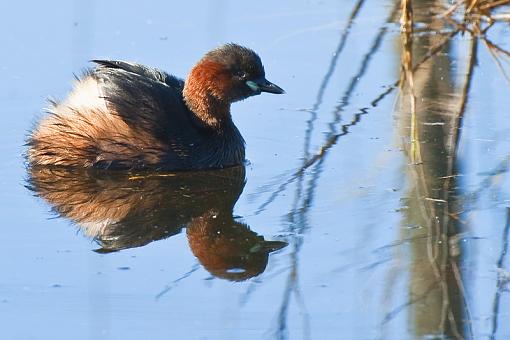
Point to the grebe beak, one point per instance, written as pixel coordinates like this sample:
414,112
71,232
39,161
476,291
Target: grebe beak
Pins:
264,85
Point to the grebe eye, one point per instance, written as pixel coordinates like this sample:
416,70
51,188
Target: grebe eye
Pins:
243,75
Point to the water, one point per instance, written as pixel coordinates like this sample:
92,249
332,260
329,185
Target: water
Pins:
366,214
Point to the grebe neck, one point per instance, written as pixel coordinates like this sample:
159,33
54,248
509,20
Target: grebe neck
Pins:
204,94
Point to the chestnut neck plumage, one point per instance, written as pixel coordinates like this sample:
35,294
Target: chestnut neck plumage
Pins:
205,92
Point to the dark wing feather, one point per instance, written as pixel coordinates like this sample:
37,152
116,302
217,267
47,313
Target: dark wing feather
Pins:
143,102
149,72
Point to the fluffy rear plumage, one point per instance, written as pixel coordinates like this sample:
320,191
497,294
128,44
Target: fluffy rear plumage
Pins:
86,130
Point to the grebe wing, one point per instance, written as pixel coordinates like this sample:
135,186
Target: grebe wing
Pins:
142,70
143,102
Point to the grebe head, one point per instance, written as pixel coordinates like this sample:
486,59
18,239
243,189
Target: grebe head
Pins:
224,75
245,69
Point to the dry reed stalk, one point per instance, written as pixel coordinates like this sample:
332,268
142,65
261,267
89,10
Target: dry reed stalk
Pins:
493,52
406,19
490,5
407,78
471,5
501,17
474,9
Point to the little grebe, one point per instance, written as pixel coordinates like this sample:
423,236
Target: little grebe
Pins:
123,115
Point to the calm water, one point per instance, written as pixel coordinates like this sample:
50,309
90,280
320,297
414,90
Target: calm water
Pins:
366,214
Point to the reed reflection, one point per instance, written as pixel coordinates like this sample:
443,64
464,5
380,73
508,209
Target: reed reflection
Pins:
124,210
434,84
430,131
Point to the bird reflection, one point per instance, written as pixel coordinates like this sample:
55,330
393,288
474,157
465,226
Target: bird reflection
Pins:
125,210
228,249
